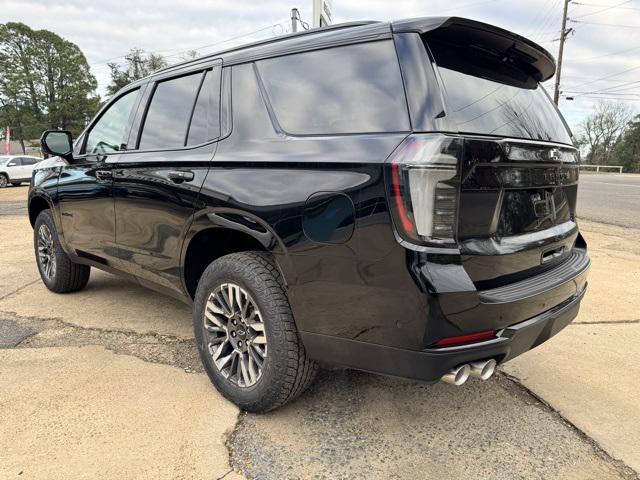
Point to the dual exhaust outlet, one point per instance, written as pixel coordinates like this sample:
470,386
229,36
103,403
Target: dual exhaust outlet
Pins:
482,369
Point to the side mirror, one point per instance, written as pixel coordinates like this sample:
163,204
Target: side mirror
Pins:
57,142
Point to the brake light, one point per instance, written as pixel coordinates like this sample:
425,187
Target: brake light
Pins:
423,185
462,339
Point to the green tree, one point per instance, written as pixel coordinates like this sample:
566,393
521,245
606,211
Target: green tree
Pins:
45,82
137,64
627,151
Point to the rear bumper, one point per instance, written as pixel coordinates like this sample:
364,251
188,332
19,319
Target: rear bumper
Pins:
429,365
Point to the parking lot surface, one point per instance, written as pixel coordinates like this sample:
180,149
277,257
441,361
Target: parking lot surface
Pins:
106,383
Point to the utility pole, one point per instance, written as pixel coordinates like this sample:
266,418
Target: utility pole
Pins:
294,20
563,36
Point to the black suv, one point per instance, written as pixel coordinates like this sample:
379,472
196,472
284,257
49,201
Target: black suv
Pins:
393,197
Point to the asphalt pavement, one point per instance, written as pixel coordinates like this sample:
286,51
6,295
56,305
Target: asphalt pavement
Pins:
610,198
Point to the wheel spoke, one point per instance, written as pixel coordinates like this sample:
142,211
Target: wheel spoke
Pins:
233,326
245,373
214,308
218,352
224,360
213,319
225,303
257,326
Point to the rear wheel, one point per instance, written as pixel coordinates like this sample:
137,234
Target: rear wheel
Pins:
246,334
3,180
57,271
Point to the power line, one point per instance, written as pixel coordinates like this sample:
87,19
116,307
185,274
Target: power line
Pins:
603,10
587,59
613,89
617,99
603,5
548,19
605,24
197,48
609,76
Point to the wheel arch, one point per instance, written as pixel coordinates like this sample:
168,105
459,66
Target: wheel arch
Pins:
219,232
37,204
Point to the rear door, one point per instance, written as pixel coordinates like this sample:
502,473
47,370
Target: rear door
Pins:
158,180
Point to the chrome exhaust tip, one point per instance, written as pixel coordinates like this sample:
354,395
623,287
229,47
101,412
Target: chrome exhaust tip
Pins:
484,369
457,376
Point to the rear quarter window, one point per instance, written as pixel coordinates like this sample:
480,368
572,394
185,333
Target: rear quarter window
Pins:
351,89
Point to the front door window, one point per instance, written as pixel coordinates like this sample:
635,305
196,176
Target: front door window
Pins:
107,134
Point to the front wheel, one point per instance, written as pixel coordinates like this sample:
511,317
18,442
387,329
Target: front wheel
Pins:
57,271
246,334
3,180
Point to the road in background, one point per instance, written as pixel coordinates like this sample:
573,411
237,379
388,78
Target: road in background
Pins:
610,198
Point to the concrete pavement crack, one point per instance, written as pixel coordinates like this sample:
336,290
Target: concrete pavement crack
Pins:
148,346
625,470
19,289
227,473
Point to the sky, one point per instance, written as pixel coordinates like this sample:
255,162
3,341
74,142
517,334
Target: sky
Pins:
602,55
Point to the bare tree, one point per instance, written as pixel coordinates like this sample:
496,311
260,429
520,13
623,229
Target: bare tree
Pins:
138,64
600,131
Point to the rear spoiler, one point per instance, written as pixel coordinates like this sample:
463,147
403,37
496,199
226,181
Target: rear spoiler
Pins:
539,63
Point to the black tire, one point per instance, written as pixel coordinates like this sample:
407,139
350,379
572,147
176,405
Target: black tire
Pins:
16,184
286,371
4,180
65,276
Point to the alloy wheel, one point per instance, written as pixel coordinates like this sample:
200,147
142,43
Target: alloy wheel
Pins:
3,181
46,252
235,334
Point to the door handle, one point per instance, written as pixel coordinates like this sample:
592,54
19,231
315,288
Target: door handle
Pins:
103,174
179,176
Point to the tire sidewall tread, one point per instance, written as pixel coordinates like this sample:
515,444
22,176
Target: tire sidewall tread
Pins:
287,371
70,276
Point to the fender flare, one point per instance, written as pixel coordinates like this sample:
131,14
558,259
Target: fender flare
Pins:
245,223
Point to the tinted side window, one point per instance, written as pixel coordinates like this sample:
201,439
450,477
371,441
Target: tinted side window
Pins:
29,161
106,136
205,123
167,119
351,89
16,162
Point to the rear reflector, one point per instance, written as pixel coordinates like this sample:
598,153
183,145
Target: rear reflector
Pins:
472,338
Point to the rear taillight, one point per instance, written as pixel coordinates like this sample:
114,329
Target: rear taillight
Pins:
423,187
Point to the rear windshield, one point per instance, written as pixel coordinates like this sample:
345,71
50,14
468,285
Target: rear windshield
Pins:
488,96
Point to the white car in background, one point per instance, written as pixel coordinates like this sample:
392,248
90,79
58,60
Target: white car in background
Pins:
16,169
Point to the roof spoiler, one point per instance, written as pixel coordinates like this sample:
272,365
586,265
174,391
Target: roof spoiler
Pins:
539,62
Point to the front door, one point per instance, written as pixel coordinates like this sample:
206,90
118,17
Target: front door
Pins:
156,185
85,187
